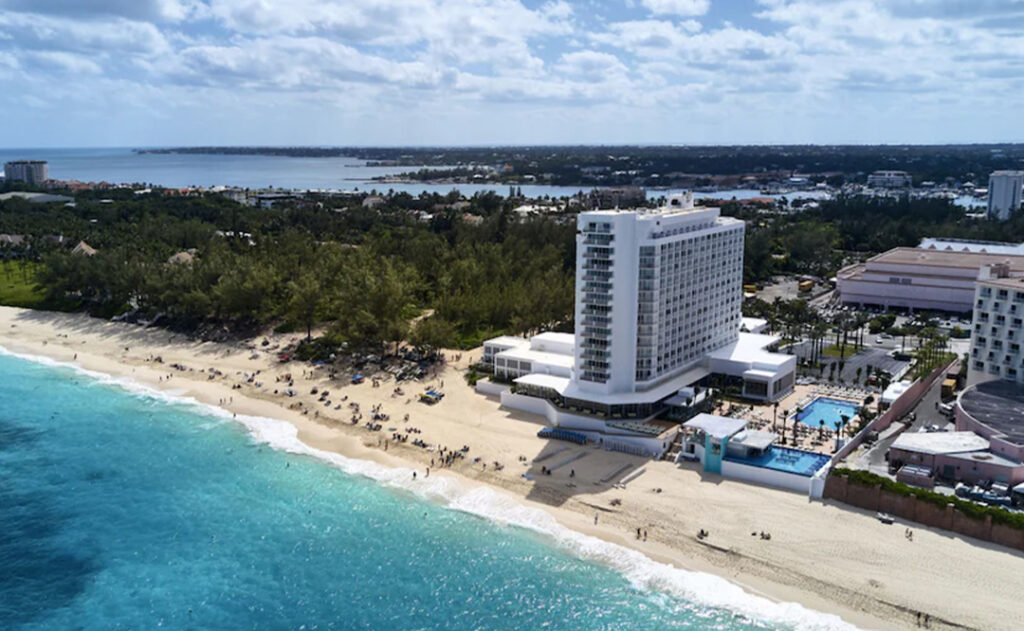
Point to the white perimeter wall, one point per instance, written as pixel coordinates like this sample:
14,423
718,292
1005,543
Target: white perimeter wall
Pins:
768,477
488,387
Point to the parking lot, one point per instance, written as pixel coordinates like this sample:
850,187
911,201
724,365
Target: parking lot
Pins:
877,357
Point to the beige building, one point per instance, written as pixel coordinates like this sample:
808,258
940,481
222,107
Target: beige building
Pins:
919,278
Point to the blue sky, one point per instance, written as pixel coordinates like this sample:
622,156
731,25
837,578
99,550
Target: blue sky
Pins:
423,72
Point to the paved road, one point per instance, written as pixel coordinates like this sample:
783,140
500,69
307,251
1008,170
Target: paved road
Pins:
925,413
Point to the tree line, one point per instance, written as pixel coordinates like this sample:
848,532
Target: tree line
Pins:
366,277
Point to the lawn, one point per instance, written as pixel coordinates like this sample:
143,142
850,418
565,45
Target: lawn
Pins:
17,285
834,351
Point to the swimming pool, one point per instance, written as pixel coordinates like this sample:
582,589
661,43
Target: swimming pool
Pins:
828,410
796,461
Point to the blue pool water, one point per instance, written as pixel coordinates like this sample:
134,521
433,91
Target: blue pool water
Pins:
121,509
828,410
788,460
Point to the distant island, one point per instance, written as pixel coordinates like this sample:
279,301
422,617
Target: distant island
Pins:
751,166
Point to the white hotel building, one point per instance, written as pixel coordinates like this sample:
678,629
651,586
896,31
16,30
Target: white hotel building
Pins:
1005,190
998,325
658,295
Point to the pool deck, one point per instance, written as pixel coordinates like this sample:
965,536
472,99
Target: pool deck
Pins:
808,439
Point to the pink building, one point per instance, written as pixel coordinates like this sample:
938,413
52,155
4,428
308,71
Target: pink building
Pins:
995,411
920,458
919,278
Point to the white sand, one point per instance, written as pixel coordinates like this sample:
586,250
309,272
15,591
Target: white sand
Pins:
827,557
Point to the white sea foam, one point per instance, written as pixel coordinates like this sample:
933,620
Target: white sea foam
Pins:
644,573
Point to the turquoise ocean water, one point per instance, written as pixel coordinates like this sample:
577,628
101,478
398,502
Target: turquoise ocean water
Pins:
121,508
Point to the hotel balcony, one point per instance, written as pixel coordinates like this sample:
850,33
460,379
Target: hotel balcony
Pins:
598,253
600,286
597,238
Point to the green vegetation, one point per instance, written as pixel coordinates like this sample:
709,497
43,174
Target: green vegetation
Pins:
924,367
839,352
364,275
587,166
18,285
881,323
820,240
968,508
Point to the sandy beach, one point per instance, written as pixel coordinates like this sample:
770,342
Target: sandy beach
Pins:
825,556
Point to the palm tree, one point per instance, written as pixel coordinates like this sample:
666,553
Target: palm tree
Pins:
785,413
821,428
775,414
840,424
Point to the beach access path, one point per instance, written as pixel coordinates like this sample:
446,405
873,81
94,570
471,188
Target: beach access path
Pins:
825,556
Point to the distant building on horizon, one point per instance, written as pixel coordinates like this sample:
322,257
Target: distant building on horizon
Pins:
33,172
1004,194
617,197
890,179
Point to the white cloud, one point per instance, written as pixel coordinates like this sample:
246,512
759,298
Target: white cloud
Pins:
677,7
361,60
159,10
61,62
114,35
591,66
290,63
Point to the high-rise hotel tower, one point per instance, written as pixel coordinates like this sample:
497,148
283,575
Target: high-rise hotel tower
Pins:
656,291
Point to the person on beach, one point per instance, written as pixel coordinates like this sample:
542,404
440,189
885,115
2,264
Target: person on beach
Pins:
595,519
645,535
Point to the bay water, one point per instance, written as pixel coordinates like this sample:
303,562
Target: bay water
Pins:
121,165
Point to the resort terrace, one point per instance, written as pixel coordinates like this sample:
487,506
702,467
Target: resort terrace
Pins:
807,437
